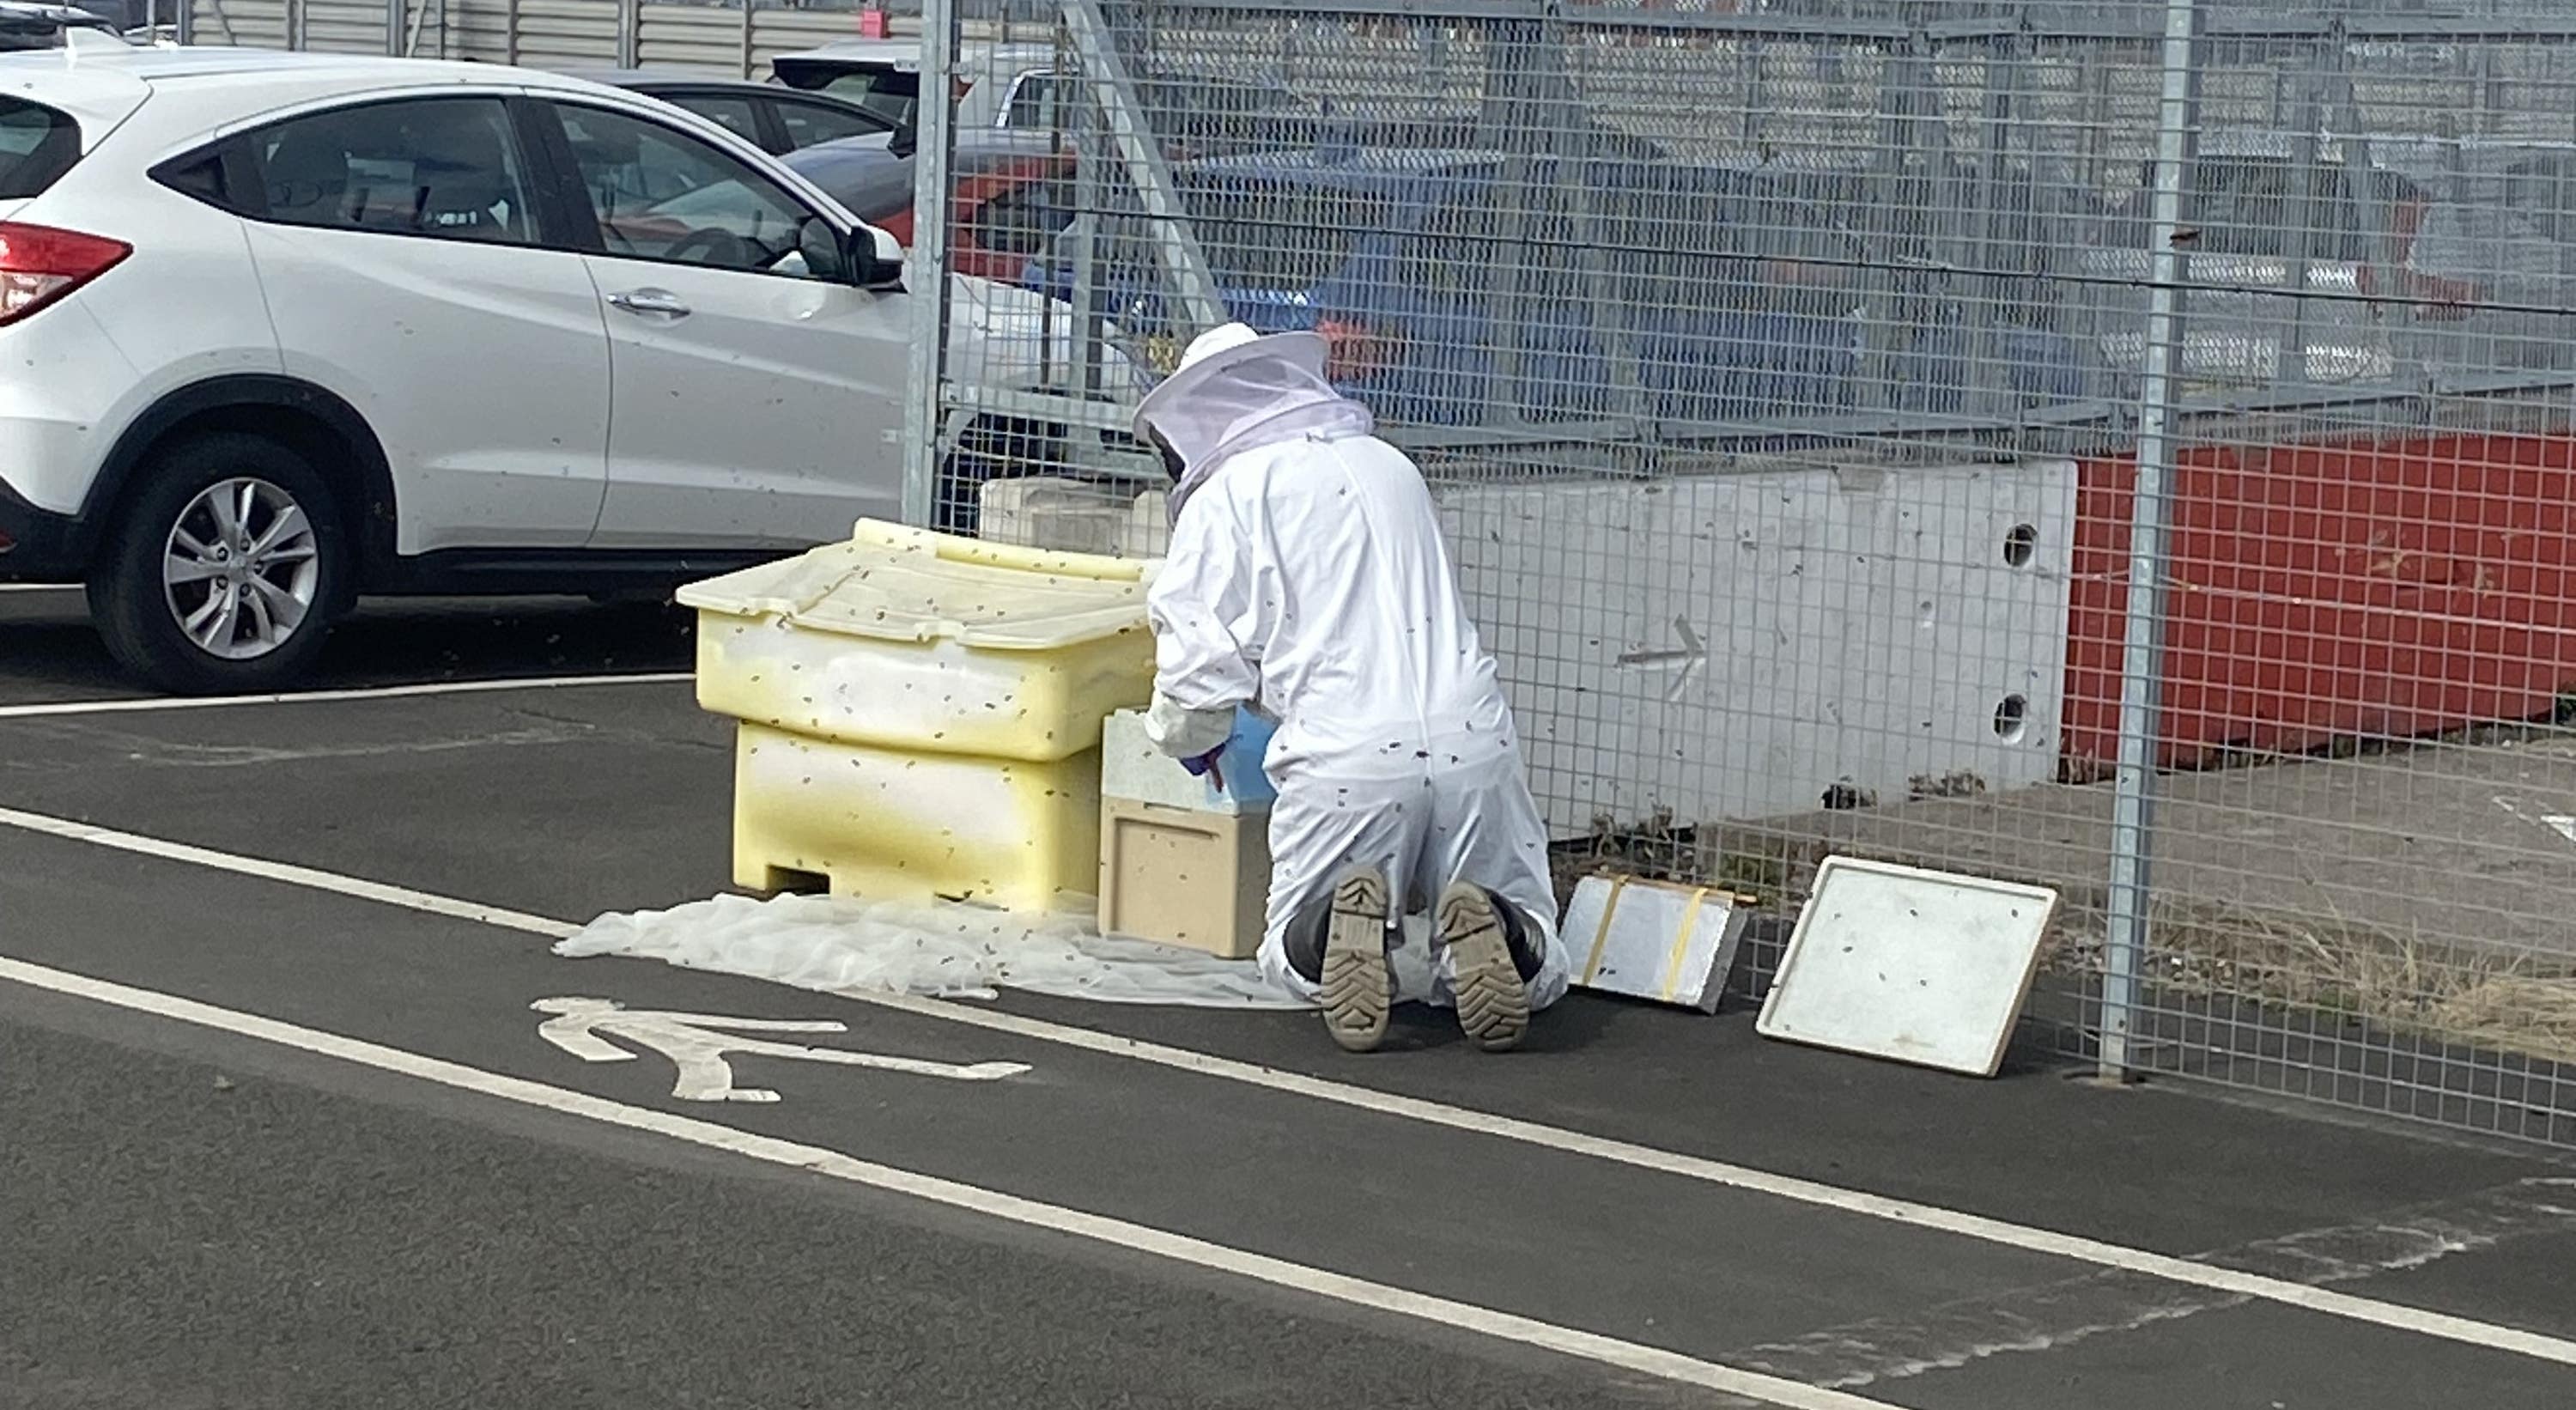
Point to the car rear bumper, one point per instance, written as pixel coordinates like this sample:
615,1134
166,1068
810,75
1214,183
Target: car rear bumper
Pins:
37,545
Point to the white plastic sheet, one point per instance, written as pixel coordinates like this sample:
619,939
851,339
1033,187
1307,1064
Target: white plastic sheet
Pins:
946,951
839,944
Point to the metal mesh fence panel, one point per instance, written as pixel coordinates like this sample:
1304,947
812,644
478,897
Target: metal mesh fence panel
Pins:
2119,445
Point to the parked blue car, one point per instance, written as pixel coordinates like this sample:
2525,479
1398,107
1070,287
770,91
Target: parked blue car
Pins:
1738,290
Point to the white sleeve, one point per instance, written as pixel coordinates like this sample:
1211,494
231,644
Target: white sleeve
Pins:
1197,605
1186,734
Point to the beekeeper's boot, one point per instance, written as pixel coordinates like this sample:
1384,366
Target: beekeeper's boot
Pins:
1338,943
1491,957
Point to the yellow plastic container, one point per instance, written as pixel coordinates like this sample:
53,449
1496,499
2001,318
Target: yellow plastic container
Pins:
920,714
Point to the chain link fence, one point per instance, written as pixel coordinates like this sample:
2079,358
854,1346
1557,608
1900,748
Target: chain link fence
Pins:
2123,446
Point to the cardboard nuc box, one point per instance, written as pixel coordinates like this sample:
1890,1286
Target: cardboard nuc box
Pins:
1182,862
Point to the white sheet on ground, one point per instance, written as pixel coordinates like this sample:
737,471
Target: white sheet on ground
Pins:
832,943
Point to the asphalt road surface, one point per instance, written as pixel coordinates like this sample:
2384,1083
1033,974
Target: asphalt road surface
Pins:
278,1127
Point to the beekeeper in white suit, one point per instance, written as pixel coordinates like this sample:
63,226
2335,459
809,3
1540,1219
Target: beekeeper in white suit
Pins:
1308,579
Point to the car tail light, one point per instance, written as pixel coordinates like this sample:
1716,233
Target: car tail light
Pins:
39,264
1352,351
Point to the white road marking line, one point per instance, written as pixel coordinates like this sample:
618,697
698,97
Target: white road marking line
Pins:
151,703
698,1045
286,872
1810,1192
1180,1248
2108,1303
1789,1187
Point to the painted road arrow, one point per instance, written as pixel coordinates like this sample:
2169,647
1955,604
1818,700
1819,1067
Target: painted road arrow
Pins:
697,1044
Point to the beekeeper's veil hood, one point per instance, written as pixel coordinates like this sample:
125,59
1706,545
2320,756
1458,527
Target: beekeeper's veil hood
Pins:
1237,390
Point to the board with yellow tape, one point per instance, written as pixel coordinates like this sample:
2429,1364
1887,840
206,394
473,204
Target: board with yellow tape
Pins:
1658,940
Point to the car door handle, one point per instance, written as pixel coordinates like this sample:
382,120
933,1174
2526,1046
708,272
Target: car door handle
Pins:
650,303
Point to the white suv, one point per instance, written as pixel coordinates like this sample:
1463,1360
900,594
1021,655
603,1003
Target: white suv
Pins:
277,330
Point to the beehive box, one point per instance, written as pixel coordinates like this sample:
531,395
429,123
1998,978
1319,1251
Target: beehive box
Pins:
1184,876
1182,861
920,714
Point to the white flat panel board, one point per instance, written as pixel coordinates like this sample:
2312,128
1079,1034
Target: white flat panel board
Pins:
1739,646
1916,966
1653,939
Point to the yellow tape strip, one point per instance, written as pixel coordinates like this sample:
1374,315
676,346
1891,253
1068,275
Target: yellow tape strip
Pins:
1601,935
1681,945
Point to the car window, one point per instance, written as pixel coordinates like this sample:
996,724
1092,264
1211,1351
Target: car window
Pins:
445,168
1024,220
662,195
2541,194
37,145
885,93
2247,206
735,115
812,124
1707,238
20,31
1214,113
1034,103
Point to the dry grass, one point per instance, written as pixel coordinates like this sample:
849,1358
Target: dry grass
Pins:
2326,964
1771,867
2438,989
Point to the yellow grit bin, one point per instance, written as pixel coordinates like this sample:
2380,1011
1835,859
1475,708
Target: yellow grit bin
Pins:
919,715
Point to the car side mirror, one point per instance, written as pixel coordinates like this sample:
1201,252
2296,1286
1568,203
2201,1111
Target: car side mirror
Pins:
905,141
871,259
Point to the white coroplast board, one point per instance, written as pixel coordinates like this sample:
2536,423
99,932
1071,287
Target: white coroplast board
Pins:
1654,940
1916,966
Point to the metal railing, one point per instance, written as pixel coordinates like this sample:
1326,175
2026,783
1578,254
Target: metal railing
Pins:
737,40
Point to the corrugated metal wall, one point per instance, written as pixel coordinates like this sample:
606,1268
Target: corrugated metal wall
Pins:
539,33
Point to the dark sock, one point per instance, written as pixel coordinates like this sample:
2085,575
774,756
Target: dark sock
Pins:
1308,929
1517,937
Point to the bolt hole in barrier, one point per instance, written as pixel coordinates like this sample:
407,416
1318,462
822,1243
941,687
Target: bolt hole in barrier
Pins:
2021,544
2012,718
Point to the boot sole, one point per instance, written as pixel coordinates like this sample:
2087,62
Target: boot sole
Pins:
1355,983
1493,1003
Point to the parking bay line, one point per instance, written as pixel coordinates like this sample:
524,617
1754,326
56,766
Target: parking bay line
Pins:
1179,1248
2029,1239
149,703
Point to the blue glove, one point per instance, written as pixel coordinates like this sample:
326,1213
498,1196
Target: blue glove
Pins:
1205,766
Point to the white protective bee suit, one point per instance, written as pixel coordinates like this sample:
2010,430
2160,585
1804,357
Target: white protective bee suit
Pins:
1308,578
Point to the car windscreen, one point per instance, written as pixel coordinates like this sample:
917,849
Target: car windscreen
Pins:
37,145
888,93
2250,206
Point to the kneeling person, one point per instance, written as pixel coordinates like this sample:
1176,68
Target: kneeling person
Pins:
1308,578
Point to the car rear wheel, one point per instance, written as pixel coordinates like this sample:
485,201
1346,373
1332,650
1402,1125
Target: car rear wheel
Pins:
223,568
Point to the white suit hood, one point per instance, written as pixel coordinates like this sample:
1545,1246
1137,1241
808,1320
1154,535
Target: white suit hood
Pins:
1248,403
